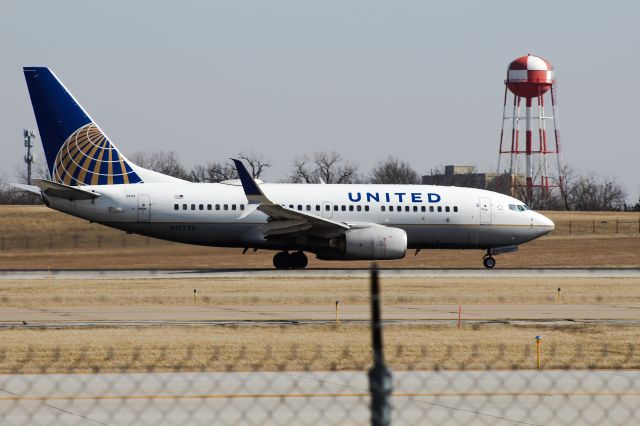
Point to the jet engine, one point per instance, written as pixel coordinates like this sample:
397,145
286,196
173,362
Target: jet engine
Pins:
371,243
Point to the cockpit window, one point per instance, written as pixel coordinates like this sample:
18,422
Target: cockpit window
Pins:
520,207
513,207
526,207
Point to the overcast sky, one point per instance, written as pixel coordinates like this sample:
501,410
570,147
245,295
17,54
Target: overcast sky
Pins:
419,80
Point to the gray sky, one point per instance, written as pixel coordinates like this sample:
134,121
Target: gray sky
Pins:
420,80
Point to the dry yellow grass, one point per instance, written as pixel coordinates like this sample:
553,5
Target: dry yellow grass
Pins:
316,291
59,241
313,347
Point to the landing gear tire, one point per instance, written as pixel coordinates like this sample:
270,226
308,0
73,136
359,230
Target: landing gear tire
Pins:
282,260
489,262
298,260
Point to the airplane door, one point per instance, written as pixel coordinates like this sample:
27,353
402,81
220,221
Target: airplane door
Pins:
327,210
485,210
144,207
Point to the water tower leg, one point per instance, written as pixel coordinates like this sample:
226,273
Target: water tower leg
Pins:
529,164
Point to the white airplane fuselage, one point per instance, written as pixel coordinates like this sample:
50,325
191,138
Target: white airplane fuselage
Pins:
218,214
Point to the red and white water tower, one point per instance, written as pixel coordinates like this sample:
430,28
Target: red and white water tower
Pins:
533,167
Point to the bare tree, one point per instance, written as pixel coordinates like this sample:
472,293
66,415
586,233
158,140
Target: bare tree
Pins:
326,166
256,162
213,172
165,162
592,193
39,170
394,171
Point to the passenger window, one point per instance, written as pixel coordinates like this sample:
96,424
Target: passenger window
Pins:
439,209
335,208
351,208
217,206
390,208
407,208
382,208
308,207
290,206
431,209
208,206
300,207
366,208
344,208
446,209
193,206
415,208
317,208
176,207
226,207
233,206
455,209
423,209
241,206
327,208
399,208
184,207
201,207
359,208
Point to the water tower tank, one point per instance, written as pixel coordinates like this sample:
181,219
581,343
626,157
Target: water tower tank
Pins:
529,76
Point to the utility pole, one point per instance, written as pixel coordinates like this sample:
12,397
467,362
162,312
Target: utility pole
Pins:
29,135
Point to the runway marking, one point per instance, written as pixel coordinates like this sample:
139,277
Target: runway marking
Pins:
320,395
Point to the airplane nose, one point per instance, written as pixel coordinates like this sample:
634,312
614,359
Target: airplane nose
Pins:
545,223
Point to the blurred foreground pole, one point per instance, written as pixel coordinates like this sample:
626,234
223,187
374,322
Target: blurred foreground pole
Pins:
380,381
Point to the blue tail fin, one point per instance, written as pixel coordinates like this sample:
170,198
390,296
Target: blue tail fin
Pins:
77,151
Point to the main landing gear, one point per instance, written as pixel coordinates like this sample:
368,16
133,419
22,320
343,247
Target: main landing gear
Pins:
488,261
286,260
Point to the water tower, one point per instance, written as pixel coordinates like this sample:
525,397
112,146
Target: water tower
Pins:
530,78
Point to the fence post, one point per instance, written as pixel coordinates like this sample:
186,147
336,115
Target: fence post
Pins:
380,380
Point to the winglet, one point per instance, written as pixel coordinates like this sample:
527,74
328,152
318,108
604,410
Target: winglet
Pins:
251,188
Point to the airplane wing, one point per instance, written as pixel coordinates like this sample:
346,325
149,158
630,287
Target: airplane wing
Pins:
284,221
59,190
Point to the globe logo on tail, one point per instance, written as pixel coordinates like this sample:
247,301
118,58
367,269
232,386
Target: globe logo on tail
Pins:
87,157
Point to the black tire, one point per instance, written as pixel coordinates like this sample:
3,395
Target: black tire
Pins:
282,260
298,260
489,262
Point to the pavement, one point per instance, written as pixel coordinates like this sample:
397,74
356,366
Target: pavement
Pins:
314,398
272,273
134,316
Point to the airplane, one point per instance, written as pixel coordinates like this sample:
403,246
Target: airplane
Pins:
93,180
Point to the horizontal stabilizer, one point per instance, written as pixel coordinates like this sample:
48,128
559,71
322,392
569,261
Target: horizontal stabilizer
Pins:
27,188
53,189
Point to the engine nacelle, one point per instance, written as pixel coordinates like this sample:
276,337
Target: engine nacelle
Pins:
374,243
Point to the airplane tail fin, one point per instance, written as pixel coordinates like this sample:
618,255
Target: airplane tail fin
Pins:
77,150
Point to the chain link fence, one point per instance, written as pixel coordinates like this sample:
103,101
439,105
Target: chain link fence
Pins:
176,393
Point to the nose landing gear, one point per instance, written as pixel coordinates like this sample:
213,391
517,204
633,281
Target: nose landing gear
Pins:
295,260
488,261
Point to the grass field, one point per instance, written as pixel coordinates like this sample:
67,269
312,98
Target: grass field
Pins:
59,241
314,347
315,291
56,241
319,347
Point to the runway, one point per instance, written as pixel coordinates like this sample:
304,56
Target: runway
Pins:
136,316
272,273
341,398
